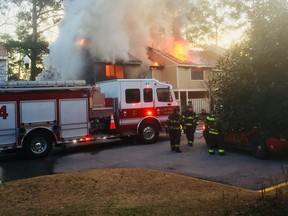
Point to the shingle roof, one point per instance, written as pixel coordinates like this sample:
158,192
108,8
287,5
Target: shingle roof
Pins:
206,58
194,58
132,61
176,60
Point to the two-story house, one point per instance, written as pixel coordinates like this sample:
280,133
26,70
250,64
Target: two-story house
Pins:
3,63
189,77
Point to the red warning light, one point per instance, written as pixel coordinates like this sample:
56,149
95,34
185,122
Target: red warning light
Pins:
203,127
149,112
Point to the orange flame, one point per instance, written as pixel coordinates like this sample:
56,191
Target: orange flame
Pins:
180,51
81,42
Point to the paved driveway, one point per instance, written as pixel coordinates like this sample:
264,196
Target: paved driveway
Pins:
236,168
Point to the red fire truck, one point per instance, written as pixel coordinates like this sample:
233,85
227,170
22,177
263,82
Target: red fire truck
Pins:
37,115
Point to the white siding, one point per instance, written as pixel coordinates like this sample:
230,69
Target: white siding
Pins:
202,103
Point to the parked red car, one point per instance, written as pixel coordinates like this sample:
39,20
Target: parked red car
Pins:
253,141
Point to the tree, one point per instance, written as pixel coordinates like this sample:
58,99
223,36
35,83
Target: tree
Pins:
35,18
16,51
4,13
253,84
209,19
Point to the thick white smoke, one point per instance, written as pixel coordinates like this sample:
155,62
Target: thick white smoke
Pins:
113,29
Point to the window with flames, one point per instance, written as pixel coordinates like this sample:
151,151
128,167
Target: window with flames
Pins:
114,71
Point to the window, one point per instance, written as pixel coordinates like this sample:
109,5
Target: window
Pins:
132,95
197,74
114,71
148,96
164,95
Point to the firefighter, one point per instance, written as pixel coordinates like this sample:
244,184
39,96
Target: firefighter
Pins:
174,128
214,136
190,119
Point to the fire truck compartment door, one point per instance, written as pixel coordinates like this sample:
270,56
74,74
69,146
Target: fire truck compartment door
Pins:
38,111
74,117
7,123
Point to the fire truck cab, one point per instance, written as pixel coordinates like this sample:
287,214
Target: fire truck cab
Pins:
141,106
37,115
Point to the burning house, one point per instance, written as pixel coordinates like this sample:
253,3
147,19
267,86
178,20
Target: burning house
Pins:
96,40
188,71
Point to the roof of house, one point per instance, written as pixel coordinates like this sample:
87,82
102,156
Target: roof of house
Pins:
3,51
216,49
205,58
132,61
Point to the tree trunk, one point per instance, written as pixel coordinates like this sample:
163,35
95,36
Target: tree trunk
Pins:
34,42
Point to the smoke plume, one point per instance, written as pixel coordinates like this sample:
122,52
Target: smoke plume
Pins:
111,29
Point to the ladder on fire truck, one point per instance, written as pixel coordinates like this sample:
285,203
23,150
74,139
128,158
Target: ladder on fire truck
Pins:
29,84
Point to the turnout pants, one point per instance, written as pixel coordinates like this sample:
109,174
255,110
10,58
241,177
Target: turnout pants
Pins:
175,136
190,134
215,141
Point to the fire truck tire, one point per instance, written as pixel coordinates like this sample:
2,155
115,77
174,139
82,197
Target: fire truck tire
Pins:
259,149
37,144
148,133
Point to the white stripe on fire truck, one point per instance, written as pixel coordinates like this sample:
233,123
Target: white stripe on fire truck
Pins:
131,121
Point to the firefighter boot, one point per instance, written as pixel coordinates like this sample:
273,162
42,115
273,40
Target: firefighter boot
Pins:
178,150
221,152
190,143
211,151
173,147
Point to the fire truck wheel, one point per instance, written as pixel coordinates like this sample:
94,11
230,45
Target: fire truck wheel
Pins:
38,144
259,148
148,133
